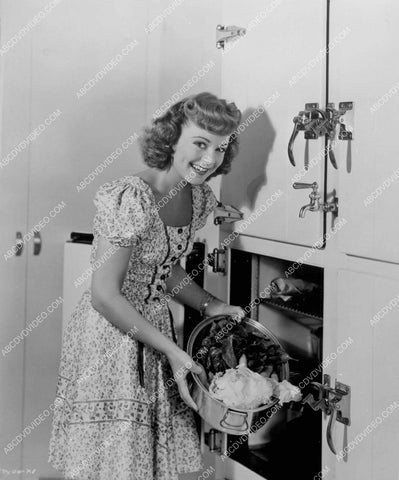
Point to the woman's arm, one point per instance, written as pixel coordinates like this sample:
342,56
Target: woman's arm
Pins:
186,291
107,299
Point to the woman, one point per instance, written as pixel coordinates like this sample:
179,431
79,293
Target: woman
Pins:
123,407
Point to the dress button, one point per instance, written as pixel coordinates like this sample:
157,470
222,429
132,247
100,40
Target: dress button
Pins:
162,277
156,299
165,266
173,259
180,230
179,247
159,287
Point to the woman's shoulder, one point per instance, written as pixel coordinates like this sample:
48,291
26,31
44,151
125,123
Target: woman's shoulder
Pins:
124,209
206,195
205,203
128,187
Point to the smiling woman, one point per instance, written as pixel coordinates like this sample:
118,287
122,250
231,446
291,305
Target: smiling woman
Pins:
131,416
211,116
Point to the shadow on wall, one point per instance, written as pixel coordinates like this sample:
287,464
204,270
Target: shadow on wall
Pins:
248,175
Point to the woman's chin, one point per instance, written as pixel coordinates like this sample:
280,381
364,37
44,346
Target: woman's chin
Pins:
196,178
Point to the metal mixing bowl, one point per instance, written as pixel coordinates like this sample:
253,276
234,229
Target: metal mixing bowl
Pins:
234,421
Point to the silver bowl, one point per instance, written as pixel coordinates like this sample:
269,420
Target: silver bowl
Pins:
234,421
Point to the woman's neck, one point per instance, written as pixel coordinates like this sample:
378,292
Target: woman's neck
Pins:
163,181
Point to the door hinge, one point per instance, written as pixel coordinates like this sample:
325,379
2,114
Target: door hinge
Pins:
217,260
227,33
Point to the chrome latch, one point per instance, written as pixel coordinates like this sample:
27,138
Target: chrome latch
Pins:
313,121
226,213
334,402
316,122
226,33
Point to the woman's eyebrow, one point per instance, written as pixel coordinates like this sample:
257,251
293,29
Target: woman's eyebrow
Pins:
204,138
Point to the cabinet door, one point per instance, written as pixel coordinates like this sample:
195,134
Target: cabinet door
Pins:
73,44
15,128
367,312
363,70
271,73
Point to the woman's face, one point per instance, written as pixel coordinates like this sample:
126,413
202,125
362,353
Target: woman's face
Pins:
198,153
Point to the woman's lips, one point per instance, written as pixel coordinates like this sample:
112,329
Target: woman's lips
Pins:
199,169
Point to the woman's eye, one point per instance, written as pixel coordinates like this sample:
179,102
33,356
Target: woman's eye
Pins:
221,149
201,145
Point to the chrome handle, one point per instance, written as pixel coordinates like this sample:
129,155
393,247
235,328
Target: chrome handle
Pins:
231,415
298,185
19,244
332,401
292,140
330,426
37,243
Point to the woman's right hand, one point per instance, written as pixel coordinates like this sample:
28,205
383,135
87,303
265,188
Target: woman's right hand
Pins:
181,363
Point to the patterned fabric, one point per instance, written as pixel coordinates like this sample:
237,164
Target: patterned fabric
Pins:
106,425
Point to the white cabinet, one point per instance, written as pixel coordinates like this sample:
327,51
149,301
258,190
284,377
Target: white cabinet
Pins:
361,275
15,126
367,312
363,69
263,73
41,74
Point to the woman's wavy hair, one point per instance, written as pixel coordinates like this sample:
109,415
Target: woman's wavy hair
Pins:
204,109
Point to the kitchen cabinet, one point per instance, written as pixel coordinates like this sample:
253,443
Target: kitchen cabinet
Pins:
363,70
41,74
13,210
360,261
367,312
260,74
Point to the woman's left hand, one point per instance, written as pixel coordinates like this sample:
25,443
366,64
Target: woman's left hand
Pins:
217,307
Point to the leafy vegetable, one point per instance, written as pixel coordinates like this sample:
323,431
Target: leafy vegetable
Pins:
226,345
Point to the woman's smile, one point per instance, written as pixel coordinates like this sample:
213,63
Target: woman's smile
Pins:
200,151
199,168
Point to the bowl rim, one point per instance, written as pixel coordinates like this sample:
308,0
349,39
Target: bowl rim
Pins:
204,323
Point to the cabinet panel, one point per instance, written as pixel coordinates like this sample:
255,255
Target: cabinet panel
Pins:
367,312
271,72
86,37
363,69
15,127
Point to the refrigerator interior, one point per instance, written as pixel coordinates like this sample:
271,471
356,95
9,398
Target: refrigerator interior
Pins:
290,441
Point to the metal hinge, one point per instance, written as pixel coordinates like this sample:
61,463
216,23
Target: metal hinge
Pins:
217,260
226,33
226,213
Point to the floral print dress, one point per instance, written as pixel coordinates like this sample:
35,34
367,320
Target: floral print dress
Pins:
116,415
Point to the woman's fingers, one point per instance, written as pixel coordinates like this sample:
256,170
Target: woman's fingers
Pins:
203,377
185,394
237,313
194,367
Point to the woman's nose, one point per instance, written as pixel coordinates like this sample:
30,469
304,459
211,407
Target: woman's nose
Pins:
209,158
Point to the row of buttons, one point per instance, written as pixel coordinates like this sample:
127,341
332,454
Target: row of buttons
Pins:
162,277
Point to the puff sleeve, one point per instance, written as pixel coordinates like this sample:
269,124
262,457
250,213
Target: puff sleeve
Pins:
123,213
207,203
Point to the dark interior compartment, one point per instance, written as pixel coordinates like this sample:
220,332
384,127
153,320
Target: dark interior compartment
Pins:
290,445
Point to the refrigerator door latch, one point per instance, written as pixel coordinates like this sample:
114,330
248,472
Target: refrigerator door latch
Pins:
334,402
227,214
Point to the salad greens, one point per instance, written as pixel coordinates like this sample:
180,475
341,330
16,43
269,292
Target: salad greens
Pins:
226,344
